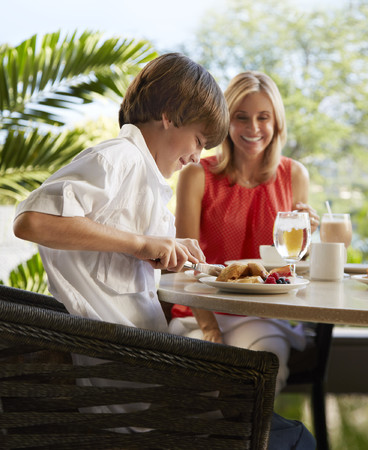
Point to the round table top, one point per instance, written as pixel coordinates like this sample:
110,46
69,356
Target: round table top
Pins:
338,302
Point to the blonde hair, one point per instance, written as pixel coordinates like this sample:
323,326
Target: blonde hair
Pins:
240,86
182,89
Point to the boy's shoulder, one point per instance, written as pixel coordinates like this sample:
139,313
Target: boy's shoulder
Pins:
125,147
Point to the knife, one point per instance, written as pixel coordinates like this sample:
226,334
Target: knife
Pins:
210,269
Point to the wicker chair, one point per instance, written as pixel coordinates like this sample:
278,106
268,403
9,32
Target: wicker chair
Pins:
184,380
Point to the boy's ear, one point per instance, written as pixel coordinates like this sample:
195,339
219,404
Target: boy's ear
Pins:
165,121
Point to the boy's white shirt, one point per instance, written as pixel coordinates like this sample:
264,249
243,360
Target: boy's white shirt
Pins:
116,183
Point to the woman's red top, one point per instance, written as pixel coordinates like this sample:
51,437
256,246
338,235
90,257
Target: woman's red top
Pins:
236,220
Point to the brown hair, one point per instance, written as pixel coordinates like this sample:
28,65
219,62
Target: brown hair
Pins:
240,86
182,89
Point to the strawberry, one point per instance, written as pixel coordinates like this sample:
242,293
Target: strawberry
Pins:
270,280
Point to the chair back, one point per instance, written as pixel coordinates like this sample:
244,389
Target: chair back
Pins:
177,392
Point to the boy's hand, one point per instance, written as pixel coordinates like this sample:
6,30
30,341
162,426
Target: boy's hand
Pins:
169,253
196,254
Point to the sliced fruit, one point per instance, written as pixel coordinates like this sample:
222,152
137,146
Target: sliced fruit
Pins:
284,271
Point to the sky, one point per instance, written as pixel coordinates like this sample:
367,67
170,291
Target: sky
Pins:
166,23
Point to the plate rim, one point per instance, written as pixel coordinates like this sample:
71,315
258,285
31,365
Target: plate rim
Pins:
280,289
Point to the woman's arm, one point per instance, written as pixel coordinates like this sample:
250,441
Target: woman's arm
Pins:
189,195
81,233
300,188
208,324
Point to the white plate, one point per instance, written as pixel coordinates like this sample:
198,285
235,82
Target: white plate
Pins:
192,274
361,278
301,266
356,268
255,288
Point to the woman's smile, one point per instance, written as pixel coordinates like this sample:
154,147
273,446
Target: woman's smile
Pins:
251,139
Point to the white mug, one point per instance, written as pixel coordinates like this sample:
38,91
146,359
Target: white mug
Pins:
327,260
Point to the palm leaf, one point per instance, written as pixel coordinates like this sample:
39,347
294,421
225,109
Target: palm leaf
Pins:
28,158
29,276
37,79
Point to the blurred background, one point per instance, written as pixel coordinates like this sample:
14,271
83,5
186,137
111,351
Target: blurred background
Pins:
64,70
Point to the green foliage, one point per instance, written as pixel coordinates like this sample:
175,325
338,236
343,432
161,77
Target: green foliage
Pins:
41,81
28,157
347,418
36,81
29,275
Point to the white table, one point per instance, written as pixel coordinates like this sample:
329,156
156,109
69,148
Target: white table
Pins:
344,302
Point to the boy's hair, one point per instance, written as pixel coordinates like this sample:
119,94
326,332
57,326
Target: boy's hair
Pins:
186,92
241,86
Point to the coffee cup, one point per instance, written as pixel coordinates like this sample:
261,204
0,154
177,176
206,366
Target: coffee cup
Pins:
270,256
327,260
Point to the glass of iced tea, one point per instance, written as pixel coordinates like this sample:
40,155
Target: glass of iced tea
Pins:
336,228
292,236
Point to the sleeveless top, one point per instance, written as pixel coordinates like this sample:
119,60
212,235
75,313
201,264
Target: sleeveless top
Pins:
236,220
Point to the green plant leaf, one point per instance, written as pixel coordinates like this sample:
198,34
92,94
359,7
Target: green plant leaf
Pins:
29,275
35,75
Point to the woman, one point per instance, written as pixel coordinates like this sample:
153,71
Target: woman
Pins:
229,203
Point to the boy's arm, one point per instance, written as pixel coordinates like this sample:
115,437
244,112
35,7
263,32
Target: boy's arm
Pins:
189,194
81,233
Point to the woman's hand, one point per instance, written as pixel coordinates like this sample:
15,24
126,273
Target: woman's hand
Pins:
213,335
208,324
313,216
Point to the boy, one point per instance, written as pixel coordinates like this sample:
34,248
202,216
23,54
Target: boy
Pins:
100,220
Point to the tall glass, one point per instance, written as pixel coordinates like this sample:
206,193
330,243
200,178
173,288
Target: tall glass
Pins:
336,228
292,236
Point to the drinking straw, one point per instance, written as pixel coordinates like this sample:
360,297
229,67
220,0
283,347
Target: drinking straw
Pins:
327,203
